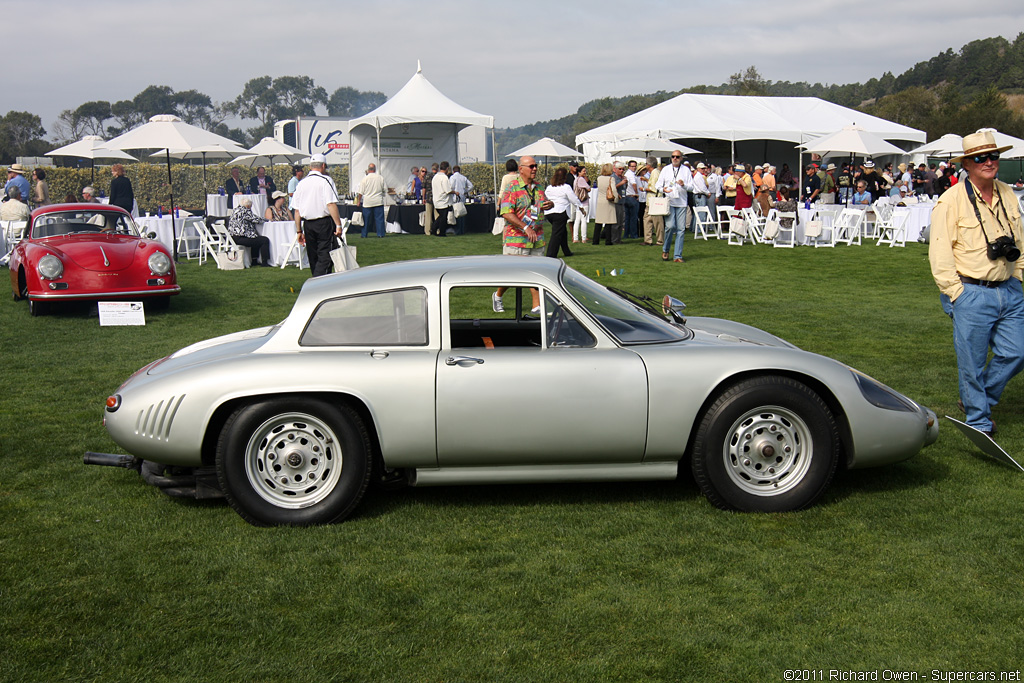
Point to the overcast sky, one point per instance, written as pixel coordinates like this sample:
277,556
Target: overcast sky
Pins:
521,62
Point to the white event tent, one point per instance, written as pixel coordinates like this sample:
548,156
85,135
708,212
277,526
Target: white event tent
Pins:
418,125
794,120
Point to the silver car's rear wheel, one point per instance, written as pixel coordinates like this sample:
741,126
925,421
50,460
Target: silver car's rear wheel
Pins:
766,444
294,461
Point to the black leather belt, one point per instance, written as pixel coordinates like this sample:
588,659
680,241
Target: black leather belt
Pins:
981,283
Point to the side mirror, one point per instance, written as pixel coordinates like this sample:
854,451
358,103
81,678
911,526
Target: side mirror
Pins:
673,307
151,235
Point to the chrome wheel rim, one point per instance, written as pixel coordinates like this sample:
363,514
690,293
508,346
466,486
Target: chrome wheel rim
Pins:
768,451
293,460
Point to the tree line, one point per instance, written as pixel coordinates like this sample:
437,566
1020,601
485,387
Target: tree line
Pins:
953,92
264,100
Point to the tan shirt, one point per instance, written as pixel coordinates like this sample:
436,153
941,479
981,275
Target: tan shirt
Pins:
958,244
372,190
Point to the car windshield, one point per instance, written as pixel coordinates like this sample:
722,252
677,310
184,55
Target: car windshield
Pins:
623,319
83,221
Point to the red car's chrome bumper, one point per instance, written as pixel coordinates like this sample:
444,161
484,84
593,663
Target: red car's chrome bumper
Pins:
119,294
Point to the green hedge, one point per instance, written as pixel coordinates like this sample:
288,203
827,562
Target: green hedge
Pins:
149,181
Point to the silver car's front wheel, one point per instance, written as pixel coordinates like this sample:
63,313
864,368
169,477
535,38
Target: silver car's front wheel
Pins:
766,444
294,461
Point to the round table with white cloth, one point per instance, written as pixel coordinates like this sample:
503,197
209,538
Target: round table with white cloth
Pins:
280,234
217,205
166,228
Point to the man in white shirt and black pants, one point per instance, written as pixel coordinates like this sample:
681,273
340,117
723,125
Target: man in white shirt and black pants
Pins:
317,220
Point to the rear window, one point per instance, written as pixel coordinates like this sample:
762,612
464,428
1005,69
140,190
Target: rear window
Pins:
394,318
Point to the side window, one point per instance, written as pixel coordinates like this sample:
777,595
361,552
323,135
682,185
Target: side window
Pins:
563,330
397,318
473,322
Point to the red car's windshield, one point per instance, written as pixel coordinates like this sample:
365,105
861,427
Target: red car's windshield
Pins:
83,221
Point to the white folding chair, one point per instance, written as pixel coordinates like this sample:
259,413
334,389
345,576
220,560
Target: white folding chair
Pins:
755,225
877,218
846,229
725,213
14,232
785,236
737,230
705,226
190,239
894,231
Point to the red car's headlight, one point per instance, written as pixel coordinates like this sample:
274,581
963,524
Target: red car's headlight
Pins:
159,264
50,267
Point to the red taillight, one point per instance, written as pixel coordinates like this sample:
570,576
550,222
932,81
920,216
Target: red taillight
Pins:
113,403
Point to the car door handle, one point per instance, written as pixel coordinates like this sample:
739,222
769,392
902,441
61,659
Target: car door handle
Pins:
459,360
379,355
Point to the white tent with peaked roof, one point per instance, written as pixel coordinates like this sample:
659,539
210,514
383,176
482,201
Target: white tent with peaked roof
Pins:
418,125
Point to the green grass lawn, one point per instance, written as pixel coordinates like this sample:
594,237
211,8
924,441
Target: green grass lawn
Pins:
911,567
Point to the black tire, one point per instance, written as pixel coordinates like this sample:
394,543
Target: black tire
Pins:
159,303
767,444
293,461
37,308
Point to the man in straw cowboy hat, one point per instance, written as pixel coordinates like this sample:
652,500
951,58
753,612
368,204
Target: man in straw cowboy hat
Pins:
975,258
16,178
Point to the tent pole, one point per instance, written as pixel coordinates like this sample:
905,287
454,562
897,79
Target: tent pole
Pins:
170,188
494,166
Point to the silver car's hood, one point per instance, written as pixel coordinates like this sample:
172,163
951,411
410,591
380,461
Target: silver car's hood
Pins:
716,330
226,346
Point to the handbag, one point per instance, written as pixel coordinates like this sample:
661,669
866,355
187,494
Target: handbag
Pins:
657,206
231,260
610,194
344,258
451,217
771,230
459,209
357,219
499,226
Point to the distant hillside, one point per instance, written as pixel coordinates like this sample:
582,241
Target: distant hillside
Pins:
953,92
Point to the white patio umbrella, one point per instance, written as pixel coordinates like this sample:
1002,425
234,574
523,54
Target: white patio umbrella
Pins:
170,133
853,140
545,147
948,145
90,147
266,150
642,147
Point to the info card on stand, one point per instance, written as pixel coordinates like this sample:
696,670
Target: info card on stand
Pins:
121,313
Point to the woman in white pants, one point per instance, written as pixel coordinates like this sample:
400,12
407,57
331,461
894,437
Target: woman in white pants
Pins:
582,189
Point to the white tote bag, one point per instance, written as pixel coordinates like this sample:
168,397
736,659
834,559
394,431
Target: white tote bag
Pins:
344,258
357,218
499,226
234,259
459,209
657,206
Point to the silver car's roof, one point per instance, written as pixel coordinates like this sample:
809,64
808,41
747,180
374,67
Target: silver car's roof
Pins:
417,273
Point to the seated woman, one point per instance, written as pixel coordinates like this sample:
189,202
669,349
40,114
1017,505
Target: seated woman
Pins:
277,211
242,226
786,205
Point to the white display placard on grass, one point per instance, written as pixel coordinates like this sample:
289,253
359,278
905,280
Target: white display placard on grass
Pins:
121,313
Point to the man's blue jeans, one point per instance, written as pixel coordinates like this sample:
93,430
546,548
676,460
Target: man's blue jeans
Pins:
374,215
632,213
675,222
983,318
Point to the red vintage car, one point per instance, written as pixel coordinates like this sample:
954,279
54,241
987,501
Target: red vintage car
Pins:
89,252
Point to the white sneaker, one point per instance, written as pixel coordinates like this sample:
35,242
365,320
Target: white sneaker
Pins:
535,309
496,303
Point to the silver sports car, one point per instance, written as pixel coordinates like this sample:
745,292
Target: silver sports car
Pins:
418,373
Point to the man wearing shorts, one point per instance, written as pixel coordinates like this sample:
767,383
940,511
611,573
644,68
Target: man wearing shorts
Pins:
522,207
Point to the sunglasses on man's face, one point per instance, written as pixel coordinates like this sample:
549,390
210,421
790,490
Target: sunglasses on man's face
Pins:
982,158
531,166
676,156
